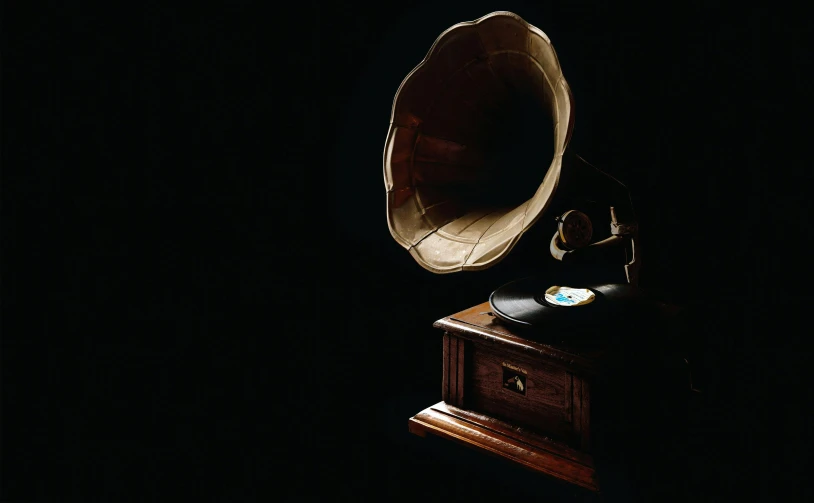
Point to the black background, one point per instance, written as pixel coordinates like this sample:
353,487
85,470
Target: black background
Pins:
201,297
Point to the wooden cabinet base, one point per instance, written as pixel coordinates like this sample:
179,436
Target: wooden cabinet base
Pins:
523,400
489,435
537,398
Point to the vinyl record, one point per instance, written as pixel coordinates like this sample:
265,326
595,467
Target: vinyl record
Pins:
523,303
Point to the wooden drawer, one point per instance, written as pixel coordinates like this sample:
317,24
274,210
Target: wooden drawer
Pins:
519,388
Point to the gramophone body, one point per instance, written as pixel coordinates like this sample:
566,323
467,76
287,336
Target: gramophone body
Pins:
515,385
507,395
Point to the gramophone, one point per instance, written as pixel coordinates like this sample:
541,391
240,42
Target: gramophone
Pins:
519,370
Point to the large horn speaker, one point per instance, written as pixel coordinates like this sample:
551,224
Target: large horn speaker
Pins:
454,199
443,202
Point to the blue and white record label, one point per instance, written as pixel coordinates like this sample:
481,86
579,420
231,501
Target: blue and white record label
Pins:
569,297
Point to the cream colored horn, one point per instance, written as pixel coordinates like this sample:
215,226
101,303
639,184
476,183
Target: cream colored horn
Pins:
435,174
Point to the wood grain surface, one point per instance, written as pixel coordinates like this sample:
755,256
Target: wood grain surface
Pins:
501,439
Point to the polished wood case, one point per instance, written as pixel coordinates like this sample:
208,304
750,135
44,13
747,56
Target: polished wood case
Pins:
542,423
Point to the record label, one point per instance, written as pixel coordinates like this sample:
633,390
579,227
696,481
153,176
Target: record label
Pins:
569,297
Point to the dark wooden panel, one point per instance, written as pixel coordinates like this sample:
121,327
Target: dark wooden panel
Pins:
445,373
454,370
504,441
568,406
546,404
461,368
576,407
585,418
528,436
581,411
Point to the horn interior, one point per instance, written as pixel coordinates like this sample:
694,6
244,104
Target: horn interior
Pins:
476,139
